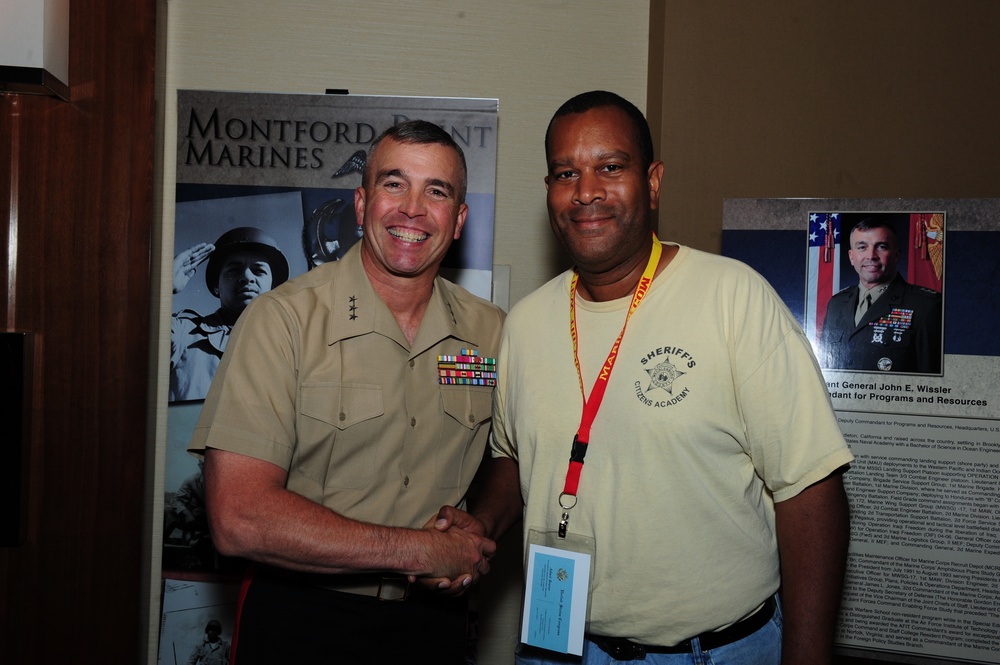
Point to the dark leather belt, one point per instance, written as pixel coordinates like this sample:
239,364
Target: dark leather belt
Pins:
383,586
620,649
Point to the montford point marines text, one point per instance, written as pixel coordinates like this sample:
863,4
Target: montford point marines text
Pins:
261,142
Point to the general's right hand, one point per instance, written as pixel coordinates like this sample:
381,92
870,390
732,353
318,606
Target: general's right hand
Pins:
455,531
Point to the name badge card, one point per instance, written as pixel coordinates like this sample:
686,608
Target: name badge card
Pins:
555,600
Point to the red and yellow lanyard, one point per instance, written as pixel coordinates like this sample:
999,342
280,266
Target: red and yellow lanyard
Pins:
567,499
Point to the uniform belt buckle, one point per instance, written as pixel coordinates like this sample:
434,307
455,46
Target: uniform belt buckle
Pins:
393,589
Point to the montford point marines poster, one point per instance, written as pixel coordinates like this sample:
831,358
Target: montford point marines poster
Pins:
275,174
897,298
232,144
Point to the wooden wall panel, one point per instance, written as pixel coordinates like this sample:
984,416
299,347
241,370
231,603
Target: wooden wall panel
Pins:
76,187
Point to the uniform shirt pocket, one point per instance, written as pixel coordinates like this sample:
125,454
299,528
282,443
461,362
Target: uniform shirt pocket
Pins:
338,427
468,408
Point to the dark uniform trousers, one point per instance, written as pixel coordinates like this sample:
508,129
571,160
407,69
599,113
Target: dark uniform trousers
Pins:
293,619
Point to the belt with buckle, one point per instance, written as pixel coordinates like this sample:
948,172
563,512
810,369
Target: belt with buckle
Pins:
383,586
621,649
376,585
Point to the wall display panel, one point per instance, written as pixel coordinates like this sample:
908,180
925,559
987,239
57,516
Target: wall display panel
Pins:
914,380
275,175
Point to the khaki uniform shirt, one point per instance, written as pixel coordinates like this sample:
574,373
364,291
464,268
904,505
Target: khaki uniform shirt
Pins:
319,380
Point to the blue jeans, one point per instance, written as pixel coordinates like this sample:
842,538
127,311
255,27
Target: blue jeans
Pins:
760,648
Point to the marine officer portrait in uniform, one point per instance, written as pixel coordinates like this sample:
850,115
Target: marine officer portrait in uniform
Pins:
884,323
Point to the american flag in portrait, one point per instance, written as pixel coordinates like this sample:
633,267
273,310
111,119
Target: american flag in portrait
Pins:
823,278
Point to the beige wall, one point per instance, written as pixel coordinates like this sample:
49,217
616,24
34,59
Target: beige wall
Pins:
532,55
846,99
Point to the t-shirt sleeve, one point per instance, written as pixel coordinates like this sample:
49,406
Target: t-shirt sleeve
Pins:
501,442
792,432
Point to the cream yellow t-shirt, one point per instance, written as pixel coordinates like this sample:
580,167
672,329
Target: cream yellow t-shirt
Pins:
715,409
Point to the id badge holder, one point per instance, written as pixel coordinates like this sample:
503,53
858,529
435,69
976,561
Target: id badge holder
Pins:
558,573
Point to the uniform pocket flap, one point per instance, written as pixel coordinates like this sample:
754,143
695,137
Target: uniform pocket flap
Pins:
470,405
341,405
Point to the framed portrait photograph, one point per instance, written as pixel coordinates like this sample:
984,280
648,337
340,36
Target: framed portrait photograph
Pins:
875,290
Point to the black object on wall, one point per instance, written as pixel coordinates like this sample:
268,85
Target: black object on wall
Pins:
15,369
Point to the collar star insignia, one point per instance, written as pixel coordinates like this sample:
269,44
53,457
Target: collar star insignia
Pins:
354,308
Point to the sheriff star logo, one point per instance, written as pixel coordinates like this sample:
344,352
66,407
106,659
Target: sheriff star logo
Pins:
663,376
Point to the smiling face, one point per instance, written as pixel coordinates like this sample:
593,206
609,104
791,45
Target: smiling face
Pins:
874,255
410,208
599,194
245,275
